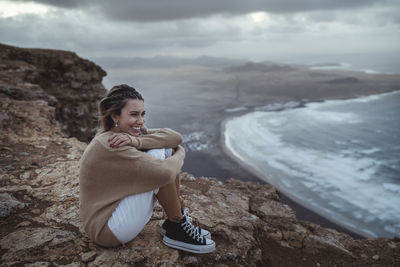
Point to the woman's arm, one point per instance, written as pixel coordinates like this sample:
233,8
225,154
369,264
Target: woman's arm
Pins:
132,161
152,138
126,169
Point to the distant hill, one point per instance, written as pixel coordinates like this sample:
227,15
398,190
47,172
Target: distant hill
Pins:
261,67
165,61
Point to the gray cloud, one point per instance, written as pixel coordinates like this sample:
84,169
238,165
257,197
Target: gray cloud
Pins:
161,10
388,16
83,27
95,37
58,3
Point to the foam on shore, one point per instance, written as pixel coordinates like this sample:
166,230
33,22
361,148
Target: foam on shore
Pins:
337,177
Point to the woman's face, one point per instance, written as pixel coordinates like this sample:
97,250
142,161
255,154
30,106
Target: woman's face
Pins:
132,117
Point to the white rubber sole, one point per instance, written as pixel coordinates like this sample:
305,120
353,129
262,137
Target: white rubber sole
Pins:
163,231
199,249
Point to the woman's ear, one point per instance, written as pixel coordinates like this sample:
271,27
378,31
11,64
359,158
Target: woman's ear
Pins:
115,118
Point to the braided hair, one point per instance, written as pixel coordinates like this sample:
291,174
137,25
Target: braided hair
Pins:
113,103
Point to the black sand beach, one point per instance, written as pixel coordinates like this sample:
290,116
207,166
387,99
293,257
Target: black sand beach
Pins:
195,99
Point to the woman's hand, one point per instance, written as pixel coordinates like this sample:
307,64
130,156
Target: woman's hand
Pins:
119,139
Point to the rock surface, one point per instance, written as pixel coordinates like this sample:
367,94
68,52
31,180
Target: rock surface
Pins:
70,84
39,200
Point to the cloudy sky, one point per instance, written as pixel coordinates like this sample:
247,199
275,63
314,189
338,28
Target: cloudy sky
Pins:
256,30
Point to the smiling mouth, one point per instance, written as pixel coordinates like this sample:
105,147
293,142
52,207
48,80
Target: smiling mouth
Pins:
135,129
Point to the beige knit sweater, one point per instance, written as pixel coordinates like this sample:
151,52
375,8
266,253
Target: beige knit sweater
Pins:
107,175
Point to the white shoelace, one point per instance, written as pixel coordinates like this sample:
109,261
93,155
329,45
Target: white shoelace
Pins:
190,228
187,214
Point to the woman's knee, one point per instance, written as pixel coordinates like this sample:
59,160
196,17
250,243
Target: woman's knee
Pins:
168,152
157,153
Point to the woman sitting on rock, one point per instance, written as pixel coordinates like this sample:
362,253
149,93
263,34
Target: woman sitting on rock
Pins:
120,183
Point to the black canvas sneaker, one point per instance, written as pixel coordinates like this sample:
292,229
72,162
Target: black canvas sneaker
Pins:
203,232
184,236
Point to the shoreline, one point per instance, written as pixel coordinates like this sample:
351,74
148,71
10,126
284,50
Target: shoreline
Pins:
225,93
289,198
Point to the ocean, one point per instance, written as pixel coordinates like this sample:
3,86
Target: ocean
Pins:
341,158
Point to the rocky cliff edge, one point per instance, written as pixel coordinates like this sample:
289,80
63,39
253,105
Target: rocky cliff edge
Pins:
39,193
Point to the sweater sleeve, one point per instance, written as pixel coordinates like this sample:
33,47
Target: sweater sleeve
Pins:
157,172
156,138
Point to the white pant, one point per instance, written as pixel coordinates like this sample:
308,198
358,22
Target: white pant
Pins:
134,212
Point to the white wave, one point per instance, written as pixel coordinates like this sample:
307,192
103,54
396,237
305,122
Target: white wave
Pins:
195,141
358,215
366,99
318,112
370,151
279,106
369,71
362,99
330,116
235,109
193,136
392,187
392,229
341,178
343,66
339,142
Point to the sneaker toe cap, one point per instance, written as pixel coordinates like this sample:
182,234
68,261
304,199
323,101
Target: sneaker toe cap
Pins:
204,232
209,242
